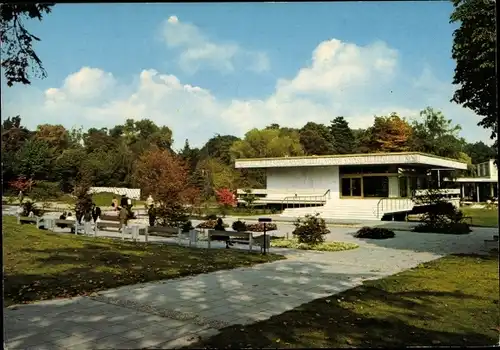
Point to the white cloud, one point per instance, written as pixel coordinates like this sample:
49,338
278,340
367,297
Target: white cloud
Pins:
197,51
357,82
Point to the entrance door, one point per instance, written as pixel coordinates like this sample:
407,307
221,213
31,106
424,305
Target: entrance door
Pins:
351,187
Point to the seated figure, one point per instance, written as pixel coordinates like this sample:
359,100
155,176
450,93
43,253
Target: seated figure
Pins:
220,227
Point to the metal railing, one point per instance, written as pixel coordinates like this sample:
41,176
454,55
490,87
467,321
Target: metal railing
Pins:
318,199
393,205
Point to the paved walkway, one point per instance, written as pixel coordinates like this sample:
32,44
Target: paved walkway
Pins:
175,313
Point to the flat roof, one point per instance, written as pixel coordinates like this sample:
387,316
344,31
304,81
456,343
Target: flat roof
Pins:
473,179
399,158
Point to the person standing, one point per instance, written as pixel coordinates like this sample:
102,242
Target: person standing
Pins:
150,201
20,196
123,216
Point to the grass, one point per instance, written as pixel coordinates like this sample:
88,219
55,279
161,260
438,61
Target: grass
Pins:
482,217
325,246
450,301
42,265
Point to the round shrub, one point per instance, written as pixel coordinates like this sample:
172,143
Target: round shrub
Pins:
310,230
239,226
187,226
374,233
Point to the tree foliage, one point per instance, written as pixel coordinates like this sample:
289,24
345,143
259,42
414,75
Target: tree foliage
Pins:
19,60
389,134
267,143
474,50
342,136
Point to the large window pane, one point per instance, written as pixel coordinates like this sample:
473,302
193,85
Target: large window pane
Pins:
356,187
346,187
376,186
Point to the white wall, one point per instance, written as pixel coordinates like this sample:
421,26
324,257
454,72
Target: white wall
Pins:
304,178
493,169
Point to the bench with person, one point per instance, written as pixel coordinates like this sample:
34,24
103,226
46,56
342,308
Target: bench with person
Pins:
219,233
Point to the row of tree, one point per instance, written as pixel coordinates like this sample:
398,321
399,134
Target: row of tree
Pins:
127,155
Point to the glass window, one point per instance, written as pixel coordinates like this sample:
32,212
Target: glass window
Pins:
346,187
356,187
376,186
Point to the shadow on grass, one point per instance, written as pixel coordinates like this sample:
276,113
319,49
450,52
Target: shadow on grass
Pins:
397,311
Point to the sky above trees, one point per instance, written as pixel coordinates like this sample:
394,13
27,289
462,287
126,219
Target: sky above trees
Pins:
209,69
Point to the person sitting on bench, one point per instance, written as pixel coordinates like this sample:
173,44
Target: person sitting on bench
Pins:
62,217
220,227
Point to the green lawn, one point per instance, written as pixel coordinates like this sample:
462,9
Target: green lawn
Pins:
451,301
42,265
482,217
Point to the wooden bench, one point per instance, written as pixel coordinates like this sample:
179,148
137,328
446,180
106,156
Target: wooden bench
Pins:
29,220
241,237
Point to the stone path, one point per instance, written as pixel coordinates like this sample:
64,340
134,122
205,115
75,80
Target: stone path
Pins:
174,313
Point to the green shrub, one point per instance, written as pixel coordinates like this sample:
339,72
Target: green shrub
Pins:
187,226
259,227
454,228
30,206
45,191
210,217
374,233
239,226
209,224
310,230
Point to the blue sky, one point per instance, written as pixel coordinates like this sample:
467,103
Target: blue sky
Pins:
213,68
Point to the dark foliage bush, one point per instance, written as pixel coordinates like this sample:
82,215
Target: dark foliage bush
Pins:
454,228
239,226
210,217
209,224
187,226
374,233
259,227
311,229
30,206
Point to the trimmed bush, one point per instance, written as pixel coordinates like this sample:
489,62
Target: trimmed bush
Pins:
452,228
210,217
187,226
209,224
30,206
374,233
310,230
239,226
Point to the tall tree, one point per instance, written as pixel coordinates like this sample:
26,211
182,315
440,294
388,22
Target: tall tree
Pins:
218,147
18,55
474,50
389,134
316,139
435,134
342,136
267,143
